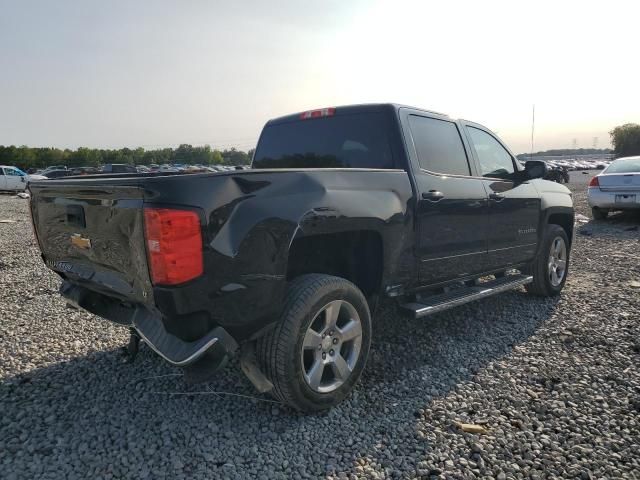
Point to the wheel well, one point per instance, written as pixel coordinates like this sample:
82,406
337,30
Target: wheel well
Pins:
565,221
356,256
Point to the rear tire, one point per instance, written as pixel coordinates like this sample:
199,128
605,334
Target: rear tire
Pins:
317,351
551,265
599,213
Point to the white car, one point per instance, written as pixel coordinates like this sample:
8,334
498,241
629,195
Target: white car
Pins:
616,188
12,178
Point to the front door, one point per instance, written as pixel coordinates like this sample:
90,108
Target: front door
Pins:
452,206
15,180
514,203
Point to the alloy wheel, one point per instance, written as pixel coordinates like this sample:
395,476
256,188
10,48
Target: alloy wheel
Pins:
557,261
331,346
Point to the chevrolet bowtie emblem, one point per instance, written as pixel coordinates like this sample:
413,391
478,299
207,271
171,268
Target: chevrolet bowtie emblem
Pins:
80,242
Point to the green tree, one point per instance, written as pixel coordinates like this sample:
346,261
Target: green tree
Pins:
235,157
85,157
216,157
182,154
626,140
201,155
49,156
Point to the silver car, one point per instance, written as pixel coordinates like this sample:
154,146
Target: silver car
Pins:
616,188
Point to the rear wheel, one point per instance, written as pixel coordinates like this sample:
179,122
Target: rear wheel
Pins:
551,265
316,353
599,213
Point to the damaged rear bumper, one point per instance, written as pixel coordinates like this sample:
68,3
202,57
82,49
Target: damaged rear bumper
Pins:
150,327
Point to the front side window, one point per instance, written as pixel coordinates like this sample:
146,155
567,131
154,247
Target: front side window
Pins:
439,146
12,172
495,161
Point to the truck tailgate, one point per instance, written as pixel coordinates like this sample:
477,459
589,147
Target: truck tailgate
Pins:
94,235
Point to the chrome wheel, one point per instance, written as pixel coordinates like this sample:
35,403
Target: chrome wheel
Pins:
331,346
557,261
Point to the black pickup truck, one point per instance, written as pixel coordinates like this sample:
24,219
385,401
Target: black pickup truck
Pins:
286,262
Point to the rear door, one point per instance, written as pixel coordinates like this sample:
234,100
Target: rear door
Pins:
514,205
452,208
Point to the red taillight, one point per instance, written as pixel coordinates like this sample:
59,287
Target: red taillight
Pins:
594,182
174,245
322,112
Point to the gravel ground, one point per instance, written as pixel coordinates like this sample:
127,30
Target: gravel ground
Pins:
555,382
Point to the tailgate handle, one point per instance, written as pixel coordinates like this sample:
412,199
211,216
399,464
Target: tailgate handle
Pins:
75,216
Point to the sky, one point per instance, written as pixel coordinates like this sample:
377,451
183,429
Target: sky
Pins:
114,73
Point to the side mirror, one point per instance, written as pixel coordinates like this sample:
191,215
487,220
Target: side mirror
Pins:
535,169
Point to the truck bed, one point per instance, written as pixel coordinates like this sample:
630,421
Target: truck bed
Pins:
91,232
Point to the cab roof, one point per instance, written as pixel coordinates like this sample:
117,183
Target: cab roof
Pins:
346,110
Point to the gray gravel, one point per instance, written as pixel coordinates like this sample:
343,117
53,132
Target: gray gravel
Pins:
555,382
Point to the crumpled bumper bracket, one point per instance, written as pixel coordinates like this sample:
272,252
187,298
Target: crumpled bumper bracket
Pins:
177,351
149,326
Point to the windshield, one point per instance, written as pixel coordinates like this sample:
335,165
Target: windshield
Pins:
358,140
624,165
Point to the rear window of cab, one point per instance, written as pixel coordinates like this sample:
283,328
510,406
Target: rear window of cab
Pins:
358,140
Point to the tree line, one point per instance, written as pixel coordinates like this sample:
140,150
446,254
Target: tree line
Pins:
626,140
29,157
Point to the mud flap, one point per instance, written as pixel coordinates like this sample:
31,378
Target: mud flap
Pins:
250,368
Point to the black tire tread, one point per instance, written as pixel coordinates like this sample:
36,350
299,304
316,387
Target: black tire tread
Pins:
538,268
272,347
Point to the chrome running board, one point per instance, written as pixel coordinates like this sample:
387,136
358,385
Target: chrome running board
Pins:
444,301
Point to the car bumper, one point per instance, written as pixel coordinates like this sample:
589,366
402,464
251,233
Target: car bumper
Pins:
607,199
150,327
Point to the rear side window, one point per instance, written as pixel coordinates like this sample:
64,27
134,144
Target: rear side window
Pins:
359,140
439,146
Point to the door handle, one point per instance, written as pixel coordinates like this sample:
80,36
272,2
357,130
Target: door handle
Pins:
433,195
498,197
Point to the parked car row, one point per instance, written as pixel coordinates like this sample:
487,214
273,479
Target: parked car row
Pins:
579,164
59,171
12,178
558,170
179,167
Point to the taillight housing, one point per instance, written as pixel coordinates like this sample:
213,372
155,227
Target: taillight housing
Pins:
594,182
174,245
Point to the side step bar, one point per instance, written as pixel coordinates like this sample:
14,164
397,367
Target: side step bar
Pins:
444,301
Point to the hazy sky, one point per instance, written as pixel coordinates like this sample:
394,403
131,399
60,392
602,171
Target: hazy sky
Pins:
134,73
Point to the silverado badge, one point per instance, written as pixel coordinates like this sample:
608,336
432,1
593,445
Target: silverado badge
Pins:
80,242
